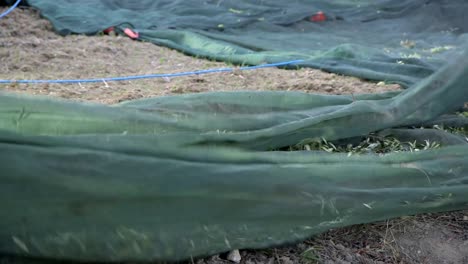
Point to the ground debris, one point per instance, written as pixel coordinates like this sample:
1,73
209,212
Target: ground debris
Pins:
234,256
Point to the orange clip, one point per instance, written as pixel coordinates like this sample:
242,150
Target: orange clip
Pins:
319,17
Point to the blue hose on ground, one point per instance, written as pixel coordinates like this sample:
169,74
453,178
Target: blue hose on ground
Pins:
10,9
149,76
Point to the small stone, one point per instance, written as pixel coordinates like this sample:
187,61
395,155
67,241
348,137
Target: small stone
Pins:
465,218
286,260
348,257
340,247
234,256
271,261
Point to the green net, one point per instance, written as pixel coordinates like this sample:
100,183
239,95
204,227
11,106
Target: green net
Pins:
174,177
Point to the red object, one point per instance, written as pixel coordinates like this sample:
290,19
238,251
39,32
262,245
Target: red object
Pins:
109,30
131,34
319,17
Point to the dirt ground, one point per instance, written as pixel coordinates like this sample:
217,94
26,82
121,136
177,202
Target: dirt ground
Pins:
30,50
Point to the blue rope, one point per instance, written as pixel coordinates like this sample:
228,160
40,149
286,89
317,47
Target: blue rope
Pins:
10,9
166,75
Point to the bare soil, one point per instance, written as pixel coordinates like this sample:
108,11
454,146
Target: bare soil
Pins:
29,49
